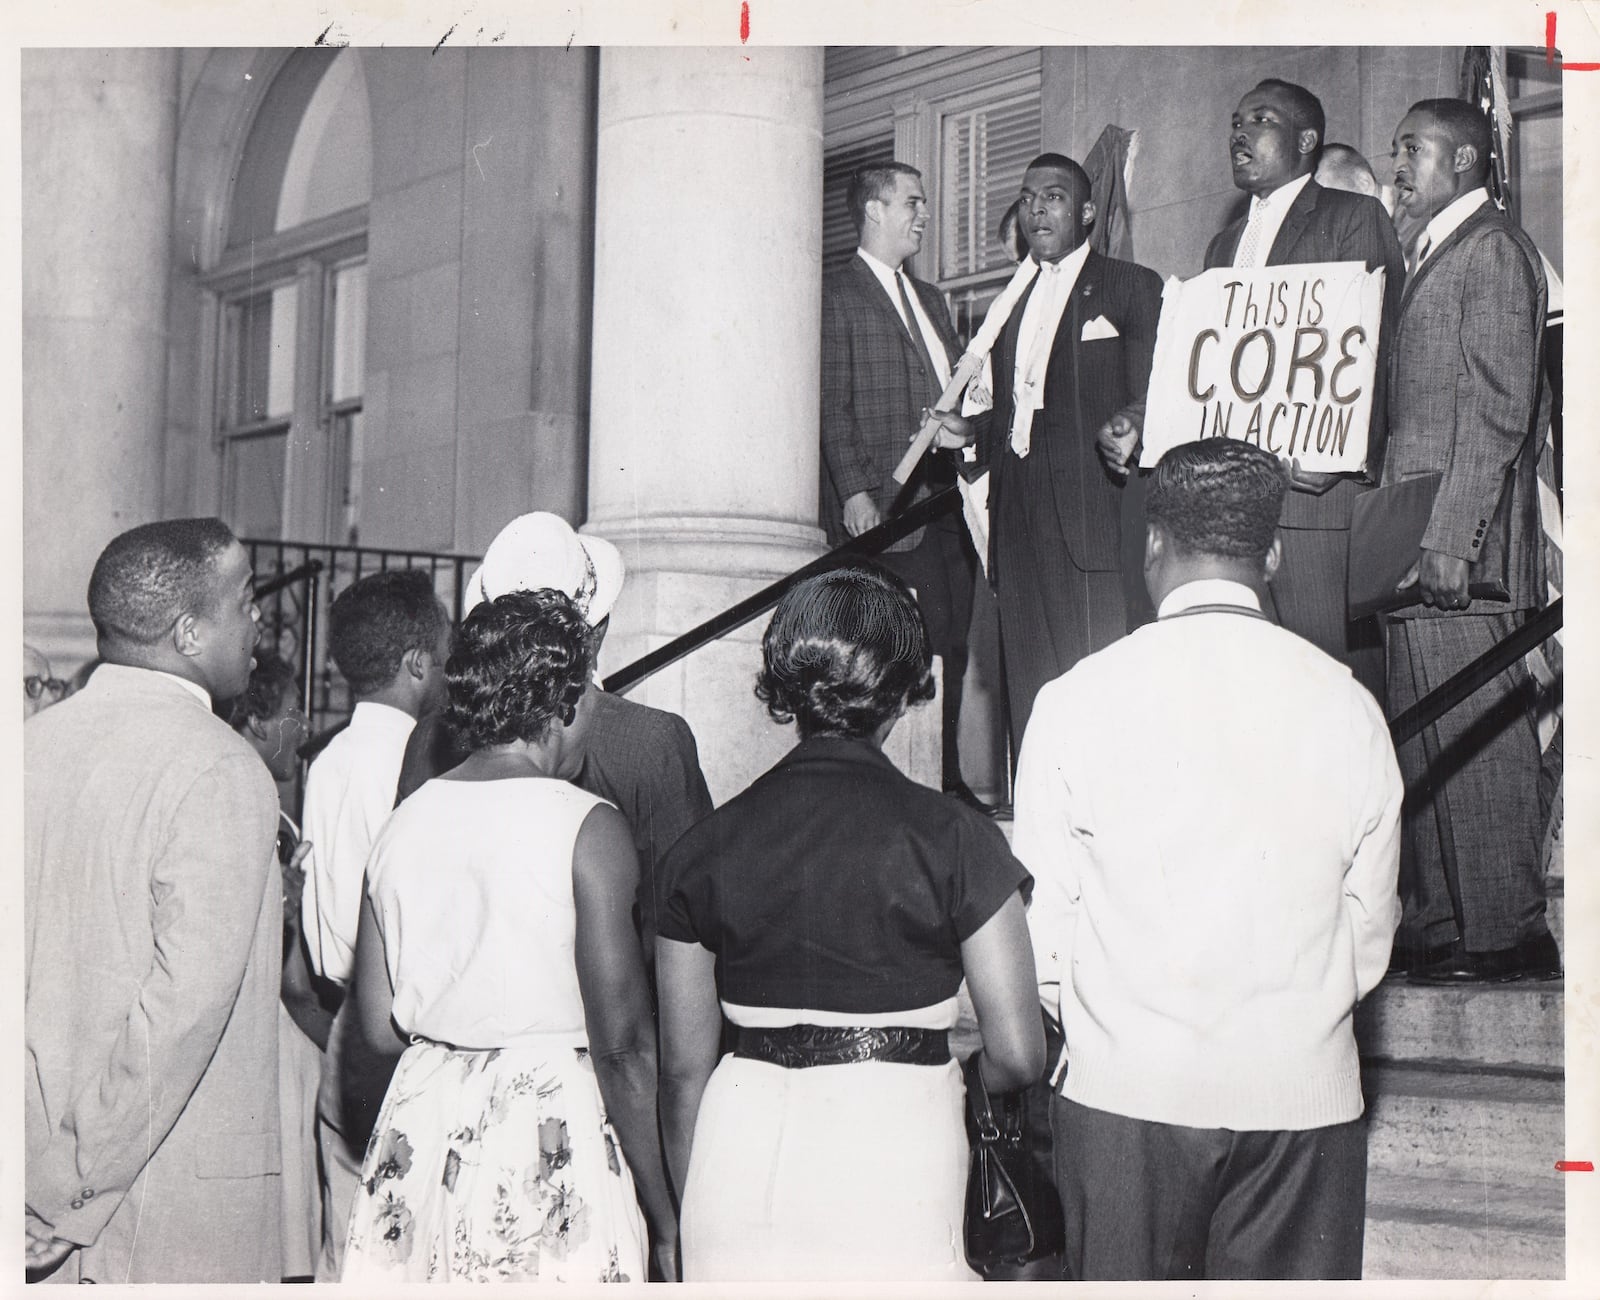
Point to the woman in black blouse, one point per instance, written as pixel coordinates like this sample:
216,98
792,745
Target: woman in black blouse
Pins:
831,912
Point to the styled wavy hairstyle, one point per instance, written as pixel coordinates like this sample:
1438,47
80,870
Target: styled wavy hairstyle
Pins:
520,663
844,651
1218,496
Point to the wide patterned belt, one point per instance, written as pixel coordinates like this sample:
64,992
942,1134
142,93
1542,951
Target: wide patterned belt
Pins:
798,1047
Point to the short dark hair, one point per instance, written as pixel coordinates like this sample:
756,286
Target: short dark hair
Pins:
1061,162
270,681
874,181
520,662
1305,110
150,576
845,649
1464,123
1218,496
377,619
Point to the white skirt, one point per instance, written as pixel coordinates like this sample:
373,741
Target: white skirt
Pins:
830,1173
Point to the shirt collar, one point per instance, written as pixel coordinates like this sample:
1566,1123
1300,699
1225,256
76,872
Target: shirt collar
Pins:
1284,195
1450,217
194,688
880,268
1208,591
1068,267
370,714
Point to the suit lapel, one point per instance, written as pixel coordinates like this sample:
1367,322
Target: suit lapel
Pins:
1295,221
873,291
1483,214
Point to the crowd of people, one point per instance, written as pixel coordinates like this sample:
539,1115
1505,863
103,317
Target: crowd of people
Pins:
513,1001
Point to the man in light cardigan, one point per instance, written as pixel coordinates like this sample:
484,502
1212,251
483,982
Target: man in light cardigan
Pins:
1210,809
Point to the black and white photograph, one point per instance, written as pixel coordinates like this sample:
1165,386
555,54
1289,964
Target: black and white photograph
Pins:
659,647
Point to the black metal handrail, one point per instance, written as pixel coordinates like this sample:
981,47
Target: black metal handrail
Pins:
871,542
272,586
1482,670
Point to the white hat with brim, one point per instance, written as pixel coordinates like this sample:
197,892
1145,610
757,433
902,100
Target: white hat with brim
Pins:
541,550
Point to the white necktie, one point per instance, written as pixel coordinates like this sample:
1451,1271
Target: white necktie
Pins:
1032,363
1250,243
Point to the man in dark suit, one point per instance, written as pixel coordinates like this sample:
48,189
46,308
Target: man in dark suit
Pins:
1072,364
1464,398
887,352
1273,143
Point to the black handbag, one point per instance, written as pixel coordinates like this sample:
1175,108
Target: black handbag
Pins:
1013,1214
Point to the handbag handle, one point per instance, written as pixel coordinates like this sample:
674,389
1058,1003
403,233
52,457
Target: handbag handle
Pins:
978,1102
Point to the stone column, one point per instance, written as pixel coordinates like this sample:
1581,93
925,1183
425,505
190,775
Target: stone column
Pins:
703,449
98,135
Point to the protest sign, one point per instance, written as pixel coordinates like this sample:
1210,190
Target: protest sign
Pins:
1280,356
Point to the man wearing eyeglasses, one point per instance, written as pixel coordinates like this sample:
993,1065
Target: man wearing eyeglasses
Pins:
39,689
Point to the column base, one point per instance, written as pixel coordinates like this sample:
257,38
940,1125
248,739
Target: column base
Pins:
682,572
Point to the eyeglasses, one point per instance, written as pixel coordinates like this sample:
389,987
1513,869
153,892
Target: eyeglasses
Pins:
37,686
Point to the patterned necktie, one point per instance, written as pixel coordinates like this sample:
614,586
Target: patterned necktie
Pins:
934,386
1250,243
1424,247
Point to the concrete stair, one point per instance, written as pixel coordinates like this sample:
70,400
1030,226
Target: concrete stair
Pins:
1465,1093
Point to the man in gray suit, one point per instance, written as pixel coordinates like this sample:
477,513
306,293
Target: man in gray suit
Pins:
1464,396
153,909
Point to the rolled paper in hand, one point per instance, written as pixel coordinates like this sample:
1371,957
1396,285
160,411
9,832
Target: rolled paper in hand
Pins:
968,368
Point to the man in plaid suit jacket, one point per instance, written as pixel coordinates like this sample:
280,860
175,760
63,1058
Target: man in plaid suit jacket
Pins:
887,352
1464,395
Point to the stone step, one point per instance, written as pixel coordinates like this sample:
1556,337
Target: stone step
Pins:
1436,1227
1488,1024
1503,1127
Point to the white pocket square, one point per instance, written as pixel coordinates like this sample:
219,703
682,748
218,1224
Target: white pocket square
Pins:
1099,328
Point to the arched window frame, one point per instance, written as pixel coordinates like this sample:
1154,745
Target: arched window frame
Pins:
320,431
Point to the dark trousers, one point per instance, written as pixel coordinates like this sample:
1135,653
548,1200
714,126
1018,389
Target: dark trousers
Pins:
1161,1202
1471,864
941,569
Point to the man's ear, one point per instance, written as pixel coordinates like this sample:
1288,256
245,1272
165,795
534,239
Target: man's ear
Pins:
416,662
1307,140
1088,213
1155,546
1466,158
257,727
186,637
1274,557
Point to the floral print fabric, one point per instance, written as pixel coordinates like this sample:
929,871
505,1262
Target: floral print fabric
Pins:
495,1165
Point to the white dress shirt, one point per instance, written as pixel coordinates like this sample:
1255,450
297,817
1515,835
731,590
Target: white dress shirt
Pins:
349,795
1036,336
1272,210
1210,808
930,336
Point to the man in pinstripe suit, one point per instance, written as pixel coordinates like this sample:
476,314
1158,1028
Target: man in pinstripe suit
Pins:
1273,144
1071,365
1464,397
887,352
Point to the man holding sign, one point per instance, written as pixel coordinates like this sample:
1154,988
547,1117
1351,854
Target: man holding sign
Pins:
1273,145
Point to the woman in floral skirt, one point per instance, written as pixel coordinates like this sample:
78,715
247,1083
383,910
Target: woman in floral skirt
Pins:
518,1137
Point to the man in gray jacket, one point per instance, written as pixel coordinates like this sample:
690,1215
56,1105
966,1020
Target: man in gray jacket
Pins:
1463,403
154,913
